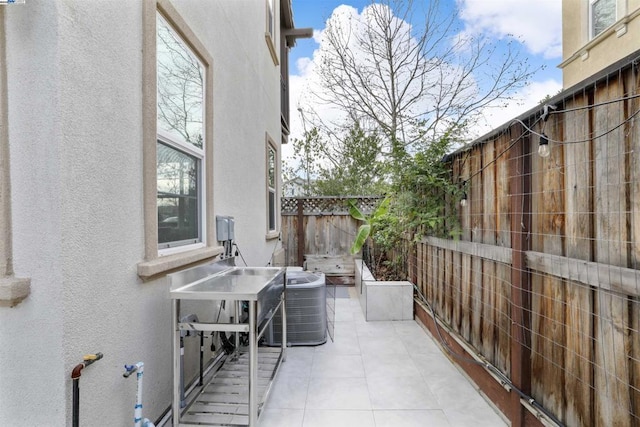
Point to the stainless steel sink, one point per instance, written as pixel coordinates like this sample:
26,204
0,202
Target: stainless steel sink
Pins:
260,291
261,284
251,271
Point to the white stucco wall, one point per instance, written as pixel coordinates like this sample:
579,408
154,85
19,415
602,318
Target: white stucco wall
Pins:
31,349
75,132
246,105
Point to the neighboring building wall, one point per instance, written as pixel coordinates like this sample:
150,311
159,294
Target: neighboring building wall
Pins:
584,55
75,110
294,187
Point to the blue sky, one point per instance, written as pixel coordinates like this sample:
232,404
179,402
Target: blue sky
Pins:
535,25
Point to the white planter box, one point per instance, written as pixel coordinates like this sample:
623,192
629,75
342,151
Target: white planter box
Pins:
383,300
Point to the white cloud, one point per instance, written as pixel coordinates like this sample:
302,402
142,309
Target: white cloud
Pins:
537,23
492,118
539,33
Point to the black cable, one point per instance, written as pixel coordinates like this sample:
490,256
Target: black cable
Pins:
238,252
599,104
275,246
584,140
513,142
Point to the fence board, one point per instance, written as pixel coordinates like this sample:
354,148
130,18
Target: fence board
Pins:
579,228
503,270
431,277
488,252
503,310
489,324
476,302
633,131
448,285
547,228
475,208
620,280
612,400
456,291
465,213
465,285
440,285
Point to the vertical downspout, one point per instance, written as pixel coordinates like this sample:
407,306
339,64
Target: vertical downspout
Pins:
12,290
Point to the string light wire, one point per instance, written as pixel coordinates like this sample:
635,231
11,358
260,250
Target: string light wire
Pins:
529,130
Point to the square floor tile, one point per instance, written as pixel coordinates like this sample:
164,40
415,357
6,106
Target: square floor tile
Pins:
344,315
482,416
420,418
334,418
338,393
298,363
434,366
418,342
281,418
382,345
328,365
288,392
342,344
400,393
389,365
375,329
456,393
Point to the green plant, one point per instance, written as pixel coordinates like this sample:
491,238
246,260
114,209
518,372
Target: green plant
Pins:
423,201
370,222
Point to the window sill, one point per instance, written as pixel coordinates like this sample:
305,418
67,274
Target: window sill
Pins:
13,291
619,28
272,48
272,235
164,264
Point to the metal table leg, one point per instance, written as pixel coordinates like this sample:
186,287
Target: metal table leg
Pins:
176,362
283,314
253,365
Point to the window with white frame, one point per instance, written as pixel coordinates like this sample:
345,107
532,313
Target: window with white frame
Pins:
271,21
270,30
272,187
602,15
180,140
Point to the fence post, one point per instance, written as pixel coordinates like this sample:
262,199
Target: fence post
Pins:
520,192
301,232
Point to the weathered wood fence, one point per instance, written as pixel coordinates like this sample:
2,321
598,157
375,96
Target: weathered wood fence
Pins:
544,282
320,231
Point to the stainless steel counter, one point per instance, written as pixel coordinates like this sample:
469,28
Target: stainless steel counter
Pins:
263,290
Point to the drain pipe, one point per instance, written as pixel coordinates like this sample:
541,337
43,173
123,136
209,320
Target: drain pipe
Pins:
138,421
87,360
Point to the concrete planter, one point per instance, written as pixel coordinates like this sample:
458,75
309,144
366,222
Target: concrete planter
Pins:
383,300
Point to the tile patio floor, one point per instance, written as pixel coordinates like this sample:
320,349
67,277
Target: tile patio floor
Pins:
375,374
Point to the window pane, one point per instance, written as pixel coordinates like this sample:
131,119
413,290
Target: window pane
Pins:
180,87
603,15
178,188
270,17
272,210
272,167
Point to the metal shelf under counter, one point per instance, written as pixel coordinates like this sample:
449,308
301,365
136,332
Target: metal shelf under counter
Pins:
236,393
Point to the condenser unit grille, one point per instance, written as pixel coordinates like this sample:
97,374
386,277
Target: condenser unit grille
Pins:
306,313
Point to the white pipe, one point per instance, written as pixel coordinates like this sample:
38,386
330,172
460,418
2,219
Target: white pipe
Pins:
138,421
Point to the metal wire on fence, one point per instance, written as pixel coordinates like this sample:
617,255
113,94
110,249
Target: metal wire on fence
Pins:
544,282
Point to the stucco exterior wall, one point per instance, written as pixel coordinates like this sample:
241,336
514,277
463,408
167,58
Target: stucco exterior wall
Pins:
75,109
31,350
584,56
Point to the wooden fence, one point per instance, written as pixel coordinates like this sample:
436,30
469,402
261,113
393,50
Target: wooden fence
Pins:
544,282
320,231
